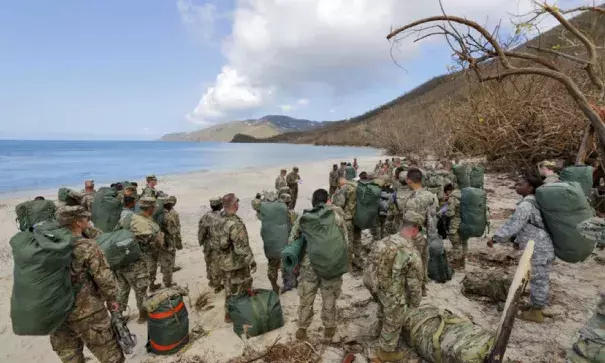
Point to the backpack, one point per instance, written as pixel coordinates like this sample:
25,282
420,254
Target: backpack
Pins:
119,247
325,242
563,206
350,173
158,213
168,321
581,174
34,211
275,227
443,226
462,173
43,294
439,269
255,312
106,209
434,183
368,205
473,212
477,176
69,196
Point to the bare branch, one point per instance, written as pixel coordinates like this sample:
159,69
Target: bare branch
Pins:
560,54
584,8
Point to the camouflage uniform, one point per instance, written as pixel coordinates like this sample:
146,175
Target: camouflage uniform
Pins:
526,224
87,199
551,179
166,256
235,256
459,244
88,323
346,198
209,231
333,181
280,182
590,345
394,277
342,171
292,180
149,192
310,282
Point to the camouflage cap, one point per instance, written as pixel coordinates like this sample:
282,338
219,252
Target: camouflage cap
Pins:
170,200
151,177
67,214
147,202
216,201
283,190
89,183
295,168
285,197
131,187
403,176
414,218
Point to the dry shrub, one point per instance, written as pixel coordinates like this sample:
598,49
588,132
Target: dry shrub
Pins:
293,352
202,303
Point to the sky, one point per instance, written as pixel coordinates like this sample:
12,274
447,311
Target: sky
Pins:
138,69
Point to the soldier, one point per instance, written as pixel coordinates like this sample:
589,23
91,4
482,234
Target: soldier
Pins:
292,179
310,282
355,164
235,256
88,195
171,227
209,231
158,253
452,212
346,199
150,190
135,275
394,277
178,240
280,182
96,293
527,224
547,171
333,180
342,171
424,203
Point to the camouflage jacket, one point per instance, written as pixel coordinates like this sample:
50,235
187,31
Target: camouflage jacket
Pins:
209,231
280,182
92,278
146,231
403,194
452,211
526,224
87,200
125,219
235,252
424,202
346,198
333,178
594,229
171,228
342,172
395,269
149,192
292,179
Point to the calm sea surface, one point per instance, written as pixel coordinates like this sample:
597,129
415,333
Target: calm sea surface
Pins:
33,165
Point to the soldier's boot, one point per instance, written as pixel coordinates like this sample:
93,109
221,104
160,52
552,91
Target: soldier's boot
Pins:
384,356
533,315
274,286
153,286
329,334
142,317
301,334
176,268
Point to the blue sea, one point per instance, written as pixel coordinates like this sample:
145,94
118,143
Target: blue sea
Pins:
35,165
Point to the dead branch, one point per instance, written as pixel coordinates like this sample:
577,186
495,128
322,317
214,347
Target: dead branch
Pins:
559,54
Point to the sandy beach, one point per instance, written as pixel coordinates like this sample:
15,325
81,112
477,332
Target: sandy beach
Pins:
573,289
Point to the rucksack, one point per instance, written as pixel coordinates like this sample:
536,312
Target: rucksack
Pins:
69,196
368,205
275,227
34,211
255,312
462,173
43,294
350,173
477,176
439,269
158,213
168,321
581,174
443,226
473,212
106,209
119,247
434,183
325,242
563,206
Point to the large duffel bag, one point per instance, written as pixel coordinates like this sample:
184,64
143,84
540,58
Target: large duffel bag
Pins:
106,209
477,176
462,173
368,205
256,312
473,212
168,321
34,211
581,174
120,248
275,227
439,269
493,285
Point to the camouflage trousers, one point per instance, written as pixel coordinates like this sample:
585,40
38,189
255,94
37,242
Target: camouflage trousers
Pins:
213,272
590,345
288,277
459,246
390,315
95,332
236,283
133,276
165,258
294,195
539,283
307,290
357,254
422,245
378,229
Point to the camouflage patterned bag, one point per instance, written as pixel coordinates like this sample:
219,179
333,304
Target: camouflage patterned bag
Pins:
491,284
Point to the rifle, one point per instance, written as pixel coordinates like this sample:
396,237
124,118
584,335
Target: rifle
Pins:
126,340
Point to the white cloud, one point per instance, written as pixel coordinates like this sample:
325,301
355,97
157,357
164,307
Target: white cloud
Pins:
278,47
303,102
200,19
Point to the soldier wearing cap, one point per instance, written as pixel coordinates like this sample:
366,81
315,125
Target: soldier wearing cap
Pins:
150,191
280,182
547,171
171,227
292,179
88,195
209,233
97,293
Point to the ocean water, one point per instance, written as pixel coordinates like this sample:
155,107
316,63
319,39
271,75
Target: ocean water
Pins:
34,165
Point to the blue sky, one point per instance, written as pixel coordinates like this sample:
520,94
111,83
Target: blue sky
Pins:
137,69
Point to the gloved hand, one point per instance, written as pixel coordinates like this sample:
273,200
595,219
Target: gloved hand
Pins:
253,267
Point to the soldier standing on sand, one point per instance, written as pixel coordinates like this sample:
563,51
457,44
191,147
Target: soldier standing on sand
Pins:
209,232
150,190
88,195
292,179
171,229
235,256
452,212
280,182
96,294
342,171
177,239
346,199
333,180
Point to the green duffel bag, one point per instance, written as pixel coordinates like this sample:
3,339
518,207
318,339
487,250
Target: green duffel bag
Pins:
291,254
564,206
275,227
43,294
350,173
368,205
255,312
167,323
439,269
106,209
477,176
69,196
325,242
34,211
473,212
462,173
120,248
581,174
